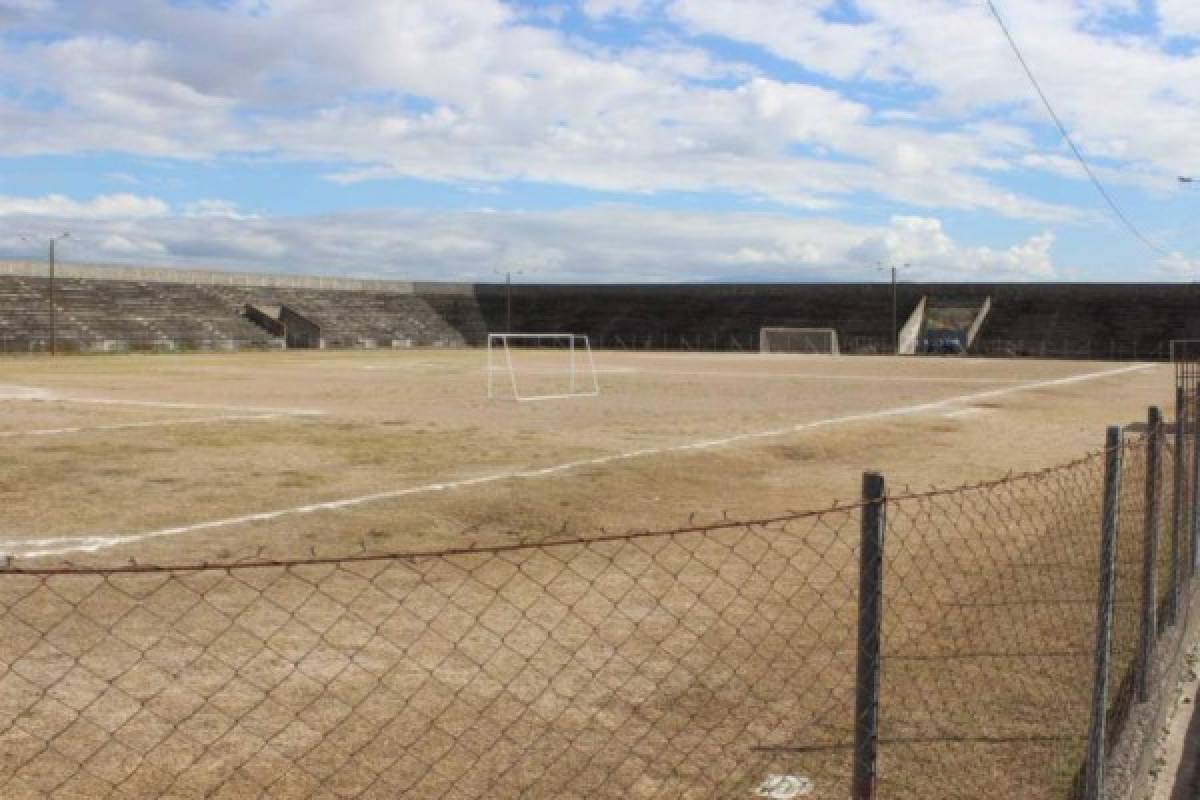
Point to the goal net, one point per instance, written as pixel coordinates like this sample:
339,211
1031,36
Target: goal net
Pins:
540,366
798,340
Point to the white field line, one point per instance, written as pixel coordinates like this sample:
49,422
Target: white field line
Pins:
967,412
109,401
815,376
565,370
57,546
439,366
37,394
9,391
159,423
807,376
504,369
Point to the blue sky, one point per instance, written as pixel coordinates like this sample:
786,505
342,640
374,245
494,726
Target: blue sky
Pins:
603,140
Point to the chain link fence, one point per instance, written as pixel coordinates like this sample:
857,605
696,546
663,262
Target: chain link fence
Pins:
937,644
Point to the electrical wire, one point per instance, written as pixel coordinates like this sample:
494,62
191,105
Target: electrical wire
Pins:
1120,215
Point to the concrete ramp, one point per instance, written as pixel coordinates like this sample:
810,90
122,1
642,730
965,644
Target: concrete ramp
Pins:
910,334
297,329
265,317
301,329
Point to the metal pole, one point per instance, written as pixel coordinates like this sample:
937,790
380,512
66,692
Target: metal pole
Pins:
508,301
895,318
870,619
1148,632
53,312
1177,506
1194,490
1094,785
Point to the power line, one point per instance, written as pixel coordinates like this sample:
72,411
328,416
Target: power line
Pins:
1071,142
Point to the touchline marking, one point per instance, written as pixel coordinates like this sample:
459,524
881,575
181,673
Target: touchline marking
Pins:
815,376
34,548
107,401
159,423
38,394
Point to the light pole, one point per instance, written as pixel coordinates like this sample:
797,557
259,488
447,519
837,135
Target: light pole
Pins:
53,304
895,320
508,273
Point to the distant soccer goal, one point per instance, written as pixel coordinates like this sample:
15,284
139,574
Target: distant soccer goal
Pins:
821,341
540,366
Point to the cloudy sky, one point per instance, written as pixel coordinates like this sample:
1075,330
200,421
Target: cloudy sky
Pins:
603,140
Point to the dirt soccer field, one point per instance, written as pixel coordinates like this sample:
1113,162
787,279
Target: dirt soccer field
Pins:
694,664
167,457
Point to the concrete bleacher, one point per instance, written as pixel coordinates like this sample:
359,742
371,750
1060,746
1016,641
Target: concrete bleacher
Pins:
101,315
351,318
1101,321
698,316
1106,321
117,315
163,309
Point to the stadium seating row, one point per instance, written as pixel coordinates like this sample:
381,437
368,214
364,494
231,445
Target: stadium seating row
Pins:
1063,320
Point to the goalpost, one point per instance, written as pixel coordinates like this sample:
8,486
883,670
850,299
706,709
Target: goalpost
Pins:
798,340
542,366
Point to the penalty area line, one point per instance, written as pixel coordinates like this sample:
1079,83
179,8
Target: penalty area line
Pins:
65,545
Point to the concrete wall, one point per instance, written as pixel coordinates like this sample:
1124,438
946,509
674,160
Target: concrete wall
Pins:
1026,319
1031,319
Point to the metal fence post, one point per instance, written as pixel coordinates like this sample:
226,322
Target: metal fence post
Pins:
1194,491
1148,632
870,619
1104,613
1177,482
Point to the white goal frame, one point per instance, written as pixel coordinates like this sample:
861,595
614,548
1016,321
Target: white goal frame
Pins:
577,344
764,335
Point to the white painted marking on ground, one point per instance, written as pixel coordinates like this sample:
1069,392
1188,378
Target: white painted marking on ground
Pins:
65,545
112,401
11,392
422,365
38,394
158,423
967,412
818,376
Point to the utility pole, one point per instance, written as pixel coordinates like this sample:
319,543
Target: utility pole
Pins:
895,310
52,293
508,328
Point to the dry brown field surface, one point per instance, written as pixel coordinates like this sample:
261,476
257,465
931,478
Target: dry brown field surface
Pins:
686,665
452,467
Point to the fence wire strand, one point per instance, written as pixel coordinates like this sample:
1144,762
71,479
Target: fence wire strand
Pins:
690,663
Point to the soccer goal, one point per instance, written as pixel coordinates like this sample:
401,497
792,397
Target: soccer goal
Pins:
541,366
798,340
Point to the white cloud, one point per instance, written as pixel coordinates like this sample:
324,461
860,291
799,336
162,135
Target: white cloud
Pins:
1179,267
109,206
1180,18
464,90
14,10
1123,97
604,244
215,208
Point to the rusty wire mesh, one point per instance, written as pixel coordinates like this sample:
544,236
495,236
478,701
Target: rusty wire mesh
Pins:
689,663
686,664
989,636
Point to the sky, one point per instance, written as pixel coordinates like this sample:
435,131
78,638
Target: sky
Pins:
604,140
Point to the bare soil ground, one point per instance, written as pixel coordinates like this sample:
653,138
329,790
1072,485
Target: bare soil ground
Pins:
417,424
680,666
